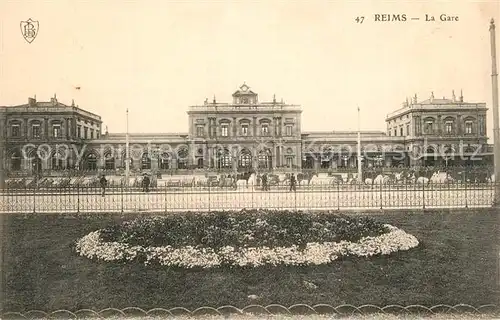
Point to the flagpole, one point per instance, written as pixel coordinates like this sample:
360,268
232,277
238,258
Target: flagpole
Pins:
127,157
360,173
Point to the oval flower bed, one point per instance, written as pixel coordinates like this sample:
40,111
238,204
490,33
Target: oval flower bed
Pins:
245,238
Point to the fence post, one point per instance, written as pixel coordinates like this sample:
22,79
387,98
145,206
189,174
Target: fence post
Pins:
381,196
34,199
209,196
423,194
78,198
465,192
165,196
338,196
121,195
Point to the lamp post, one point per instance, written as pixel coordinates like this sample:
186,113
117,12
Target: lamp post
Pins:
127,157
496,130
2,147
360,170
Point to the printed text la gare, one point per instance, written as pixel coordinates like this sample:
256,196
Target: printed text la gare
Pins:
403,17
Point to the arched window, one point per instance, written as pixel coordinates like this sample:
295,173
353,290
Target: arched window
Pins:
15,161
223,159
91,162
145,161
245,159
109,161
56,161
182,158
265,159
200,163
164,161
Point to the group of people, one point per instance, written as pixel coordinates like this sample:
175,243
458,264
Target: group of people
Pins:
265,182
145,183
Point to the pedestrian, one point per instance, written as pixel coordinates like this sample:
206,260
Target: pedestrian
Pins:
293,183
264,182
103,183
145,183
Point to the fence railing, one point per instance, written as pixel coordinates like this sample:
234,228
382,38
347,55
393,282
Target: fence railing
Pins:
169,198
345,310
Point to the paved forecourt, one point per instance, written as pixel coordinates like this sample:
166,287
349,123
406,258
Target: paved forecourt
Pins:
240,199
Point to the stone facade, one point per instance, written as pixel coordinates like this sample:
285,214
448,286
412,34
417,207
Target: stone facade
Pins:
243,134
438,130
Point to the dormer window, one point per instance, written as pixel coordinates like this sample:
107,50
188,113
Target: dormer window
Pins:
244,100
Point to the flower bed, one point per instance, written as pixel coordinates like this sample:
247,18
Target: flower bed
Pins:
245,238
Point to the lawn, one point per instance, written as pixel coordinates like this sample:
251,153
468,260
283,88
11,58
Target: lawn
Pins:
457,262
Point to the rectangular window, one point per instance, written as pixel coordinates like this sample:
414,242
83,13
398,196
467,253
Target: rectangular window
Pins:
244,130
395,132
199,131
407,129
429,129
468,127
56,130
79,131
390,132
289,130
35,131
91,133
289,162
265,130
224,130
401,131
97,134
85,132
15,130
448,127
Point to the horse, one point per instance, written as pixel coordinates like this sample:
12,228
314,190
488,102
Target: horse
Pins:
306,176
441,177
248,178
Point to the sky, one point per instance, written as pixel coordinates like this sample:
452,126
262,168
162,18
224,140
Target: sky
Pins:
156,58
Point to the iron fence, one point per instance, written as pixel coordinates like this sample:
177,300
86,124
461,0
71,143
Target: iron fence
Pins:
168,198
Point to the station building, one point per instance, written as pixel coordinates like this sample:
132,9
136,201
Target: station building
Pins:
52,137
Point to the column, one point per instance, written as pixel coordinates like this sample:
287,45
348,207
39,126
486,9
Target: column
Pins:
26,128
46,128
274,156
68,128
254,126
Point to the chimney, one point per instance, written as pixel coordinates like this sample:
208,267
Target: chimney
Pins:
72,102
432,96
461,96
215,101
32,102
453,96
415,99
54,100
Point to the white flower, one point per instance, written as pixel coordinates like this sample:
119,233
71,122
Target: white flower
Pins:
92,247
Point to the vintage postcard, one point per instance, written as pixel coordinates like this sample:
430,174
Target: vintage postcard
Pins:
249,159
